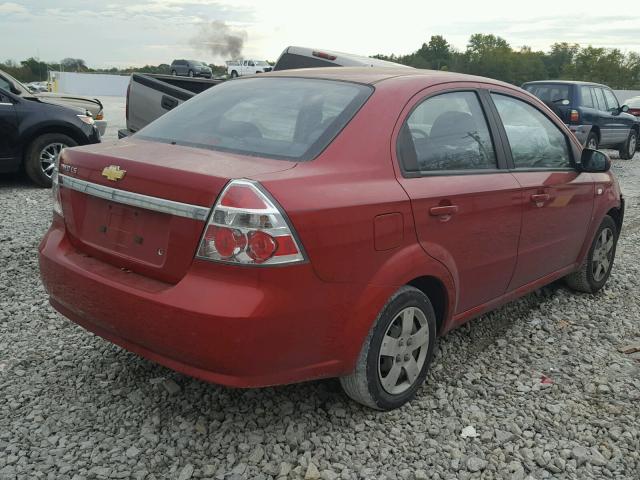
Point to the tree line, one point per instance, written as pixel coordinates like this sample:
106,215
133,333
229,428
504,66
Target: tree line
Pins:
485,55
491,56
34,70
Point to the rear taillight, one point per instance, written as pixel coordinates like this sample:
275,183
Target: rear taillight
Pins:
574,116
246,227
55,188
324,55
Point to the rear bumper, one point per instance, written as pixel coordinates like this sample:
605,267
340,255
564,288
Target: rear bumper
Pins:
229,325
581,132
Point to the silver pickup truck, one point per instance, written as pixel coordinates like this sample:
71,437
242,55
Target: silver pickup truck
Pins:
151,96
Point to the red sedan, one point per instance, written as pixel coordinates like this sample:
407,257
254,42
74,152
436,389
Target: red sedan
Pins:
634,106
325,223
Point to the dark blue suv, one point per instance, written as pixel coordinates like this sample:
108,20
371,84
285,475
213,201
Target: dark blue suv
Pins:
592,113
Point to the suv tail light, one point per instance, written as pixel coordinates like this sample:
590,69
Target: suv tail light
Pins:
246,227
574,116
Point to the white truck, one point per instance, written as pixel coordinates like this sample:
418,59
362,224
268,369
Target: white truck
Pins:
237,68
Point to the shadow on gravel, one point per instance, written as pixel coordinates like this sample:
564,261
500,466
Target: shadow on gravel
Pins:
137,385
15,180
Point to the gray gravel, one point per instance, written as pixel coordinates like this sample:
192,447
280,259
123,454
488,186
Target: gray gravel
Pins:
541,381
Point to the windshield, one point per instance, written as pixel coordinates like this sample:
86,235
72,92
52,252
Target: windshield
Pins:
261,63
286,118
24,91
549,92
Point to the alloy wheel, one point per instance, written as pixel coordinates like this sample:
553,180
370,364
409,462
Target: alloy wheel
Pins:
403,351
48,156
602,254
633,143
593,144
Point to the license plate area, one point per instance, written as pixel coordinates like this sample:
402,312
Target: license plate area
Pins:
132,233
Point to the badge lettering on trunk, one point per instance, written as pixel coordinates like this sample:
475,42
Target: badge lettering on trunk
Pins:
113,173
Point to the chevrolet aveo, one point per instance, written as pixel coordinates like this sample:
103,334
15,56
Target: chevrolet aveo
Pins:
325,223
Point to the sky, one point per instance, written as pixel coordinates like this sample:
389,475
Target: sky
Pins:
124,33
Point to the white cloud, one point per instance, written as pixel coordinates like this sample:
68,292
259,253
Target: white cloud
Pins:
13,8
151,8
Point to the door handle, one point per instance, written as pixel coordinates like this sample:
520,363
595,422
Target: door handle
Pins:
168,103
443,210
540,198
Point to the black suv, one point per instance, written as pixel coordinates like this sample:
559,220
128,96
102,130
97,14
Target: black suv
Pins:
32,134
592,113
190,68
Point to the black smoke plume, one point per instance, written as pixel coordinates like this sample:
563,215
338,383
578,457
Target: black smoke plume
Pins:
218,39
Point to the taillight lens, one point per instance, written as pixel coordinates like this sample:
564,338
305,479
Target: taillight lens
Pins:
55,188
246,227
574,116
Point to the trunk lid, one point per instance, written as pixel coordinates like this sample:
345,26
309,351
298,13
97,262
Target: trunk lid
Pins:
151,219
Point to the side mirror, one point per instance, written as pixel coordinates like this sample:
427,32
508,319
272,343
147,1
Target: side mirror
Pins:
594,161
624,108
15,90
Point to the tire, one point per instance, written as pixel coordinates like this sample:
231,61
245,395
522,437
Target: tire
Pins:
41,153
588,278
174,73
592,141
234,74
191,73
628,148
366,385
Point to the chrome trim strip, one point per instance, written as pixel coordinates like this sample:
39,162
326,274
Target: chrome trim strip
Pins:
147,202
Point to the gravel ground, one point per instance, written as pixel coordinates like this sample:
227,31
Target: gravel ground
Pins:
537,389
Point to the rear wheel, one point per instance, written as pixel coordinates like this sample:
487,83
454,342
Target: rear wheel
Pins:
191,73
592,141
628,148
596,267
396,354
41,156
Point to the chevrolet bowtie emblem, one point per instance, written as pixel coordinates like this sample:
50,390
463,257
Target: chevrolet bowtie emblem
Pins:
113,173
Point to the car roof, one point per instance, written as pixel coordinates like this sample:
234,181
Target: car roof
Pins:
373,75
566,82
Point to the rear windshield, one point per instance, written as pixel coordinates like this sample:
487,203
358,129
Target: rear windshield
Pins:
289,61
550,93
286,118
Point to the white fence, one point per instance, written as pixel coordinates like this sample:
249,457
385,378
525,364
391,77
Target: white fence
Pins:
90,84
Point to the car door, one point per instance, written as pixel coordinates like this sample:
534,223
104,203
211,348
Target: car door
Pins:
608,124
619,123
466,207
557,200
8,129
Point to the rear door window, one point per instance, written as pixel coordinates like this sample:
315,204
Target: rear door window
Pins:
447,132
535,141
587,99
287,118
599,96
612,101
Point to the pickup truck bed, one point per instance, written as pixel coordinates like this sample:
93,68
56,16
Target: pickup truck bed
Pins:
150,96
